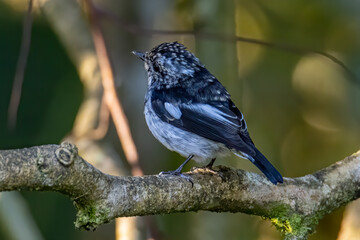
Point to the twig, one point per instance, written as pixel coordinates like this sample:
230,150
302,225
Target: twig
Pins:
350,225
137,30
113,103
20,68
100,131
14,215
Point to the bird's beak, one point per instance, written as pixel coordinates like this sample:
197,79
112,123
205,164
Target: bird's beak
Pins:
139,55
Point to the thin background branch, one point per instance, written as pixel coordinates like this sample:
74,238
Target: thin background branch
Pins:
111,98
137,30
104,116
20,68
113,104
118,112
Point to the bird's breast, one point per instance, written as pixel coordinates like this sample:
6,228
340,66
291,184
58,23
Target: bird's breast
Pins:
182,141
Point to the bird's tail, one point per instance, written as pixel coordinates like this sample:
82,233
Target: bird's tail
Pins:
260,161
267,168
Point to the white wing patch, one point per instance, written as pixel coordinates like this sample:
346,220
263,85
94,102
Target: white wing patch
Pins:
213,113
173,110
205,109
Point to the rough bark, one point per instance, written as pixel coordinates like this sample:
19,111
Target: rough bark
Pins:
294,207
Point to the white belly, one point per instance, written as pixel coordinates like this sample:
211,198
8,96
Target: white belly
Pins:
181,141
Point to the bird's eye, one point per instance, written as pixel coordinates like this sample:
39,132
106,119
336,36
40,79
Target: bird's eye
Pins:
156,68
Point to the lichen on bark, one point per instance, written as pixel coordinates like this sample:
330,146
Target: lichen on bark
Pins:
294,207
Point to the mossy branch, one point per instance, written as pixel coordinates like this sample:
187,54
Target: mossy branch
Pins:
294,207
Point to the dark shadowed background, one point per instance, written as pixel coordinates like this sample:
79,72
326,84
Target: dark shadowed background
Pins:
302,110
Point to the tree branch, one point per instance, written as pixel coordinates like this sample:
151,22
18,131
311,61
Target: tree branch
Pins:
294,207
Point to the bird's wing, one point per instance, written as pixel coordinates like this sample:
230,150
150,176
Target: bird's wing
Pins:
214,120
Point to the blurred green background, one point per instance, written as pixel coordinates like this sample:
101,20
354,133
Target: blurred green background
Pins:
302,110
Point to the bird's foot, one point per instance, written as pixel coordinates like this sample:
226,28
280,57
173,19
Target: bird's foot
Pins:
179,174
206,170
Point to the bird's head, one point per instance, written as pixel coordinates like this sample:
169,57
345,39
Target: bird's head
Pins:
169,63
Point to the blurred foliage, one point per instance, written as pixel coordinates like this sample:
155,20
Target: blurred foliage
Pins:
50,98
302,111
51,91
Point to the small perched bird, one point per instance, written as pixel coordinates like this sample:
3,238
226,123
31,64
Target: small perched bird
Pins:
190,112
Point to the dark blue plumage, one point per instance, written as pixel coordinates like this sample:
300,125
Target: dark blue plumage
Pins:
190,112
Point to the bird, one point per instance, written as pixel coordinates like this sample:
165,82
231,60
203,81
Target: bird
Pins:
190,112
